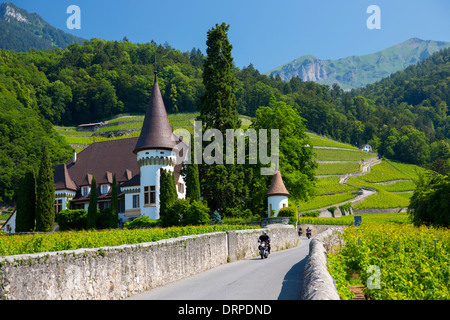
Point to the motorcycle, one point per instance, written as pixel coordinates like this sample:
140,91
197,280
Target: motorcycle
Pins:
300,232
308,234
263,249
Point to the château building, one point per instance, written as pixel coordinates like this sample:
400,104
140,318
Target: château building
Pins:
136,162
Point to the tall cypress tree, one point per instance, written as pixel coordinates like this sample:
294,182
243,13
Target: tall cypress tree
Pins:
26,203
191,176
222,185
92,209
114,210
45,192
167,196
218,103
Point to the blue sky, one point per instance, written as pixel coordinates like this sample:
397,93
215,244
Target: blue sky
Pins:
264,33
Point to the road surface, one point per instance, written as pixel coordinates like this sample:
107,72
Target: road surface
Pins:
277,278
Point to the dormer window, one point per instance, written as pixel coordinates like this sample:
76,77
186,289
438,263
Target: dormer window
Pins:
85,191
104,188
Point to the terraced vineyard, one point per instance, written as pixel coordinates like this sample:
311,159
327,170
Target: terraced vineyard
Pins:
126,126
344,170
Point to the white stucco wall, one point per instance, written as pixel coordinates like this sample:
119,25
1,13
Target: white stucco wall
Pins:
10,226
65,196
277,203
150,177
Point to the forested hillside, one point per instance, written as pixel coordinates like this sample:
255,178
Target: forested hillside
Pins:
21,31
23,131
404,116
416,123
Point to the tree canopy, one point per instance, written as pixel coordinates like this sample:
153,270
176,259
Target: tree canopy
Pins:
404,117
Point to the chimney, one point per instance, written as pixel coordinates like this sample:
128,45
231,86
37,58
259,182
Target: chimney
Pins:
74,156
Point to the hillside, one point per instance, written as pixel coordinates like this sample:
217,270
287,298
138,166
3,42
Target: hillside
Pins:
21,31
405,117
126,126
358,71
342,172
102,79
348,178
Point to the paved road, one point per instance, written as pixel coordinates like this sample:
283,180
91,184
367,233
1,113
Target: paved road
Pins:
277,278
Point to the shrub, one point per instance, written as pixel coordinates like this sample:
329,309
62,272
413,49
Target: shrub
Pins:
196,213
103,218
311,214
332,209
345,207
186,212
72,219
216,218
238,213
142,222
290,212
174,213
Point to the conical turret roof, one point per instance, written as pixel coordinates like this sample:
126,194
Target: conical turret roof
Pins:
156,132
277,187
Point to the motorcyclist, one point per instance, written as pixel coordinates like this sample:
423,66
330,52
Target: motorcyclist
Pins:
300,231
264,237
308,230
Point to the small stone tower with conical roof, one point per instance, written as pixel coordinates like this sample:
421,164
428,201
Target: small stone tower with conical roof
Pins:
277,195
155,151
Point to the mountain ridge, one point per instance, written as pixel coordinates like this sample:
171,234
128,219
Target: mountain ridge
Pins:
21,31
358,71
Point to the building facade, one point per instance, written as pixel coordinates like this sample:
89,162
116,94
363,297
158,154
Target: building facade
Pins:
136,163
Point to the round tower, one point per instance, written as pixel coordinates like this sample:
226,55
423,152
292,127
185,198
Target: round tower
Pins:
155,151
277,195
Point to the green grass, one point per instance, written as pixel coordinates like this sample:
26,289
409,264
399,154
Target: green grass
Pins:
121,118
349,220
123,126
384,172
398,186
406,195
128,122
324,142
71,131
383,200
341,155
410,170
327,185
325,201
336,168
92,139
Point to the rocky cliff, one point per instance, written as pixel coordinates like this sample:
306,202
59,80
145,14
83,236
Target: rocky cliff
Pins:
358,71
